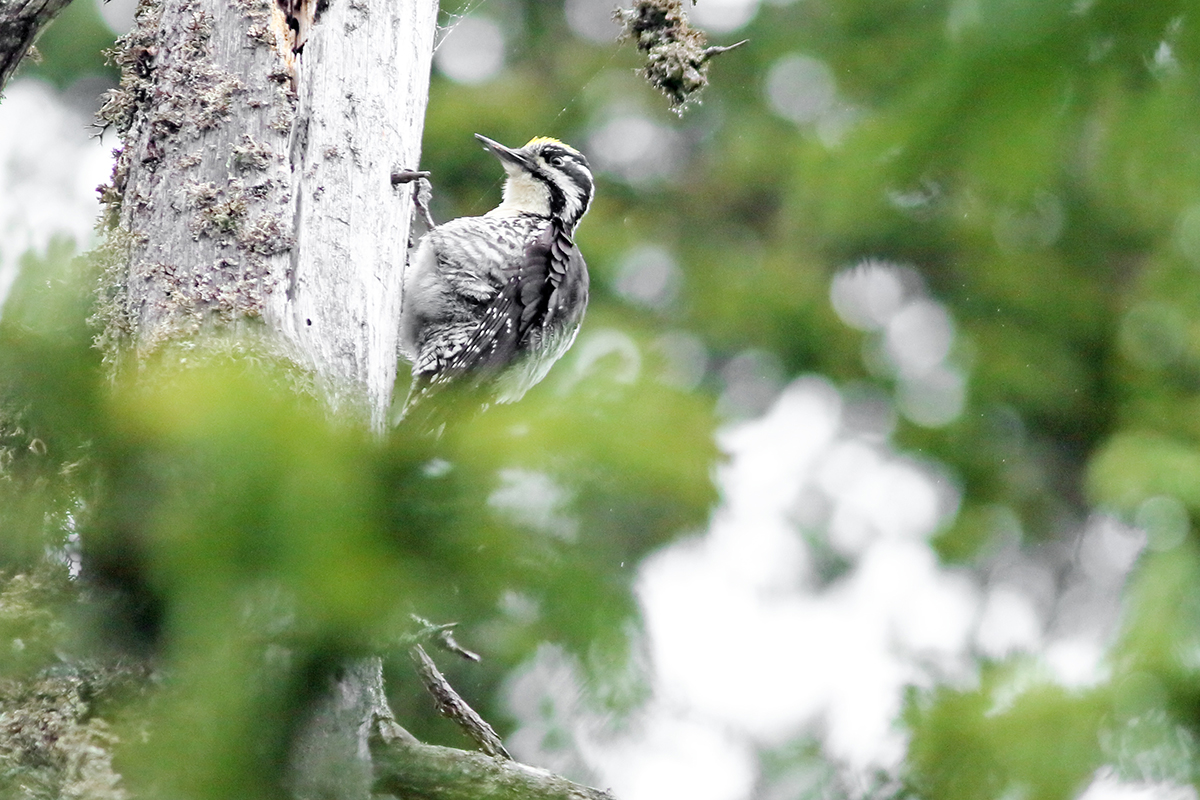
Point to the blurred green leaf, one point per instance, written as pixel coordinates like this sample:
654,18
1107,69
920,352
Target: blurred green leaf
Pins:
1135,465
990,742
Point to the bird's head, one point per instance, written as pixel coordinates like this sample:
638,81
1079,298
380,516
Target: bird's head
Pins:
545,177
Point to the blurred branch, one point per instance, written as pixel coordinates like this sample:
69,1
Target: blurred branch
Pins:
452,706
441,635
20,23
442,773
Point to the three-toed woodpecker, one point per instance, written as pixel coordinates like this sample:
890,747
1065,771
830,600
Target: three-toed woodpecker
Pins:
491,302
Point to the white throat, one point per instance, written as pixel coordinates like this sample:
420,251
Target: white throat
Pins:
523,194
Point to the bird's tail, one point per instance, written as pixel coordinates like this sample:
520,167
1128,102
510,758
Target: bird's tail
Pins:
432,404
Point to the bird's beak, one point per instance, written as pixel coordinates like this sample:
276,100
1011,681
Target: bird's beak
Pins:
506,155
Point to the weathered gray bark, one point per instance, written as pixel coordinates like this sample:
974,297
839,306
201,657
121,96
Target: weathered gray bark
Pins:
255,182
359,119
202,190
451,705
20,23
332,757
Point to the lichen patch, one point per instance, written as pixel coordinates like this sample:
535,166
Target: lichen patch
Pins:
676,53
267,235
250,155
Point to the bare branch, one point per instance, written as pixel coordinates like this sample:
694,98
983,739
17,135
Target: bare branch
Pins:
20,23
452,706
442,635
716,50
423,195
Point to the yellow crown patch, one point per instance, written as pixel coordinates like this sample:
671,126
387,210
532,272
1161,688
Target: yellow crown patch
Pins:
543,140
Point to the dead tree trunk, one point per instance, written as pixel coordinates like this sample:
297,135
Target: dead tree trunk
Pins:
359,119
252,205
254,184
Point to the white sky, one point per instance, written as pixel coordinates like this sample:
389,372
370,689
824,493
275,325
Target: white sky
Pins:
50,167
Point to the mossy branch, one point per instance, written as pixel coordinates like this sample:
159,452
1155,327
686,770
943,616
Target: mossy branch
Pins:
428,772
676,55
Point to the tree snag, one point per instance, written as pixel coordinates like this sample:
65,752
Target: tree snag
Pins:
254,183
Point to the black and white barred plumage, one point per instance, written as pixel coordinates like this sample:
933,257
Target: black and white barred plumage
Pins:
492,302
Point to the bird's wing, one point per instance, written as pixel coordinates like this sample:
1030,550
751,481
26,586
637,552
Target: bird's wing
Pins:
520,305
568,279
549,288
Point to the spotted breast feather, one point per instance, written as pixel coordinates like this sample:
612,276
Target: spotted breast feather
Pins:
529,323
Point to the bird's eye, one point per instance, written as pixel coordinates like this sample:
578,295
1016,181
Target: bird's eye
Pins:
557,161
